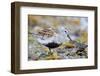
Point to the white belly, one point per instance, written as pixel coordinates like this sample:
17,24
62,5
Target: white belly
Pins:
45,41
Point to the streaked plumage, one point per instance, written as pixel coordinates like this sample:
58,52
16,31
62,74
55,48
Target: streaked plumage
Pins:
56,37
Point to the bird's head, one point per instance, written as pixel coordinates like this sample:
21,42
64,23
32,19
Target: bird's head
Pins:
63,30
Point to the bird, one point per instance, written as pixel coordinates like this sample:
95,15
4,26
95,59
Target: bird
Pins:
51,38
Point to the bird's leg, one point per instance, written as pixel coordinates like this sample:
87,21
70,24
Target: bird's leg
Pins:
50,51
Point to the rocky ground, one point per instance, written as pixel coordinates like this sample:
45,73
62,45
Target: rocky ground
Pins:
67,50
